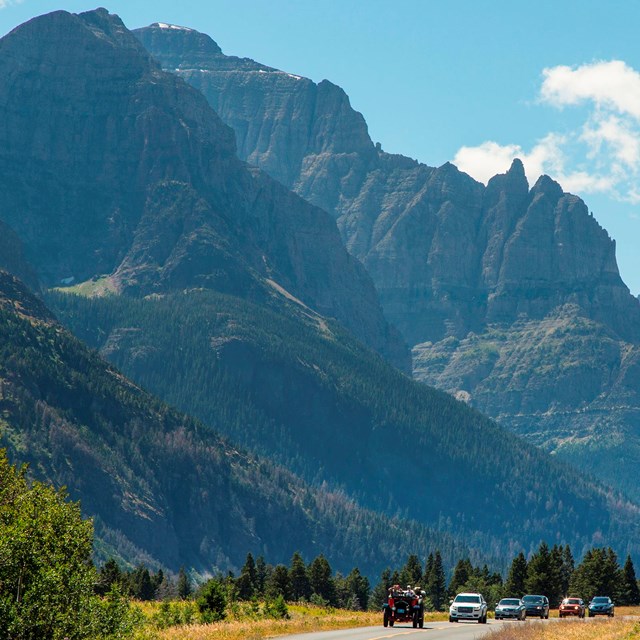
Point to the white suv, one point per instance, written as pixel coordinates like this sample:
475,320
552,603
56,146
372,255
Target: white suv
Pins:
468,606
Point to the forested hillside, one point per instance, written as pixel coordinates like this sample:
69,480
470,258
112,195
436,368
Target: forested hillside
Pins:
161,487
292,385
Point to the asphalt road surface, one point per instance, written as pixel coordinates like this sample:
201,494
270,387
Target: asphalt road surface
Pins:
431,631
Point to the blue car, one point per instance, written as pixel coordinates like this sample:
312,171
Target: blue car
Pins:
601,606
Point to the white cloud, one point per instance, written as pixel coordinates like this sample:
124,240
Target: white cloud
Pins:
6,3
601,153
609,85
489,158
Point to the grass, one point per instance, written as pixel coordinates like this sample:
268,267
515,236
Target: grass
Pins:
245,622
600,629
240,625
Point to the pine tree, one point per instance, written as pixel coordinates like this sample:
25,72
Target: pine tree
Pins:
411,573
597,575
568,567
358,588
541,578
379,594
428,571
300,585
517,577
462,572
321,581
246,582
556,591
629,592
261,575
184,584
436,588
108,576
279,583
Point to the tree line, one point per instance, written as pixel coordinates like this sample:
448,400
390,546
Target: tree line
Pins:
549,571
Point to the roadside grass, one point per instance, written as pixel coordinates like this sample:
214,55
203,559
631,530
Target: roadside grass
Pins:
600,629
242,623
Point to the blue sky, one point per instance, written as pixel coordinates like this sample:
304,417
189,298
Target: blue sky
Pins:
555,83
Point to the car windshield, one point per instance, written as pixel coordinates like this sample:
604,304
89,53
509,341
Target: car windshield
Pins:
600,600
571,601
514,601
474,599
533,599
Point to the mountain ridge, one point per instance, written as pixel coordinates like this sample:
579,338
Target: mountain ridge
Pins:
451,259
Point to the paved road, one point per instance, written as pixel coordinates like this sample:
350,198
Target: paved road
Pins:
431,631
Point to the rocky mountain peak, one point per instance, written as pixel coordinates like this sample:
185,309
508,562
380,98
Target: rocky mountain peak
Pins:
111,167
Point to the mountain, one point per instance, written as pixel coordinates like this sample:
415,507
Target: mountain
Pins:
112,167
161,487
212,286
461,269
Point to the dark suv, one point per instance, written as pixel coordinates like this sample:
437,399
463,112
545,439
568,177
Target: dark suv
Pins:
536,606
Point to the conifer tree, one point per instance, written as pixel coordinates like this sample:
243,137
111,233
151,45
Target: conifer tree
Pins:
358,588
279,583
379,594
436,587
541,575
300,585
428,570
246,582
184,584
462,572
629,592
261,575
411,573
556,592
597,575
517,577
321,580
108,576
568,567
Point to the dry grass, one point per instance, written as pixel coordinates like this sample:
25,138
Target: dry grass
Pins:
600,629
303,619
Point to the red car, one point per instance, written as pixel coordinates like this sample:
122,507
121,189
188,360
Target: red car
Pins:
404,605
572,607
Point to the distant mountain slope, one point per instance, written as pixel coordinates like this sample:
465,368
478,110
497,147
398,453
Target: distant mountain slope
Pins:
454,262
297,388
161,487
108,165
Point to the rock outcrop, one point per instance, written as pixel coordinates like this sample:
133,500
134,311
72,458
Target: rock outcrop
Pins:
108,165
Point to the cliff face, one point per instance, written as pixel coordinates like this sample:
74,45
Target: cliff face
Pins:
446,254
108,165
455,263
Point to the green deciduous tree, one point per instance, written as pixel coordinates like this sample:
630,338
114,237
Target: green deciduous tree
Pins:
46,575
